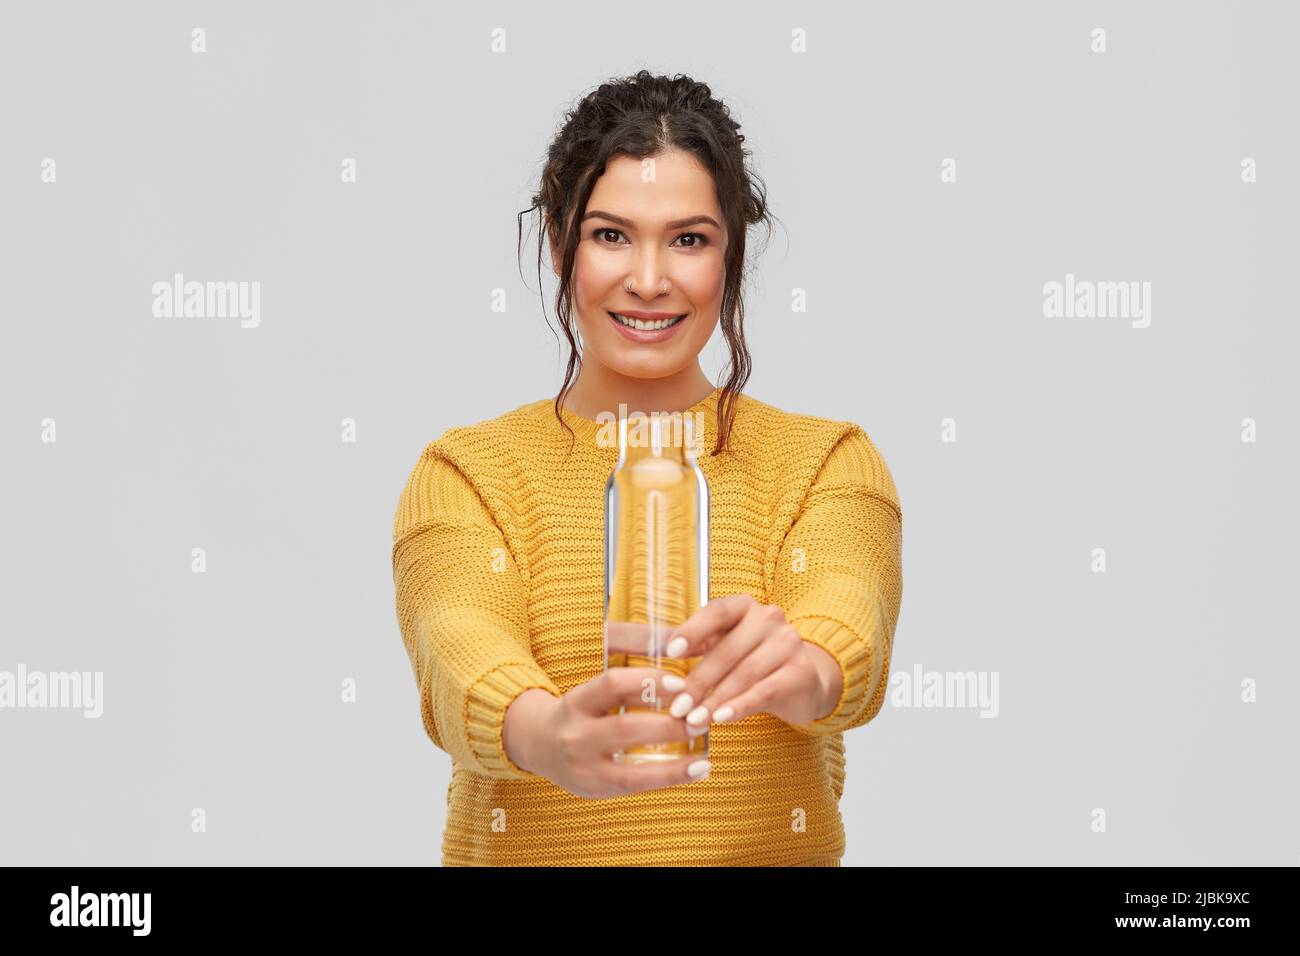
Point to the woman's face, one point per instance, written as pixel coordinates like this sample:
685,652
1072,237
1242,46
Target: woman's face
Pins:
657,223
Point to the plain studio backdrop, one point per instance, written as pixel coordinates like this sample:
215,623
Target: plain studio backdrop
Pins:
1145,714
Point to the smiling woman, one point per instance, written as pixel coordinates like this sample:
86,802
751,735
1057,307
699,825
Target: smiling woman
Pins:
498,541
646,203
646,275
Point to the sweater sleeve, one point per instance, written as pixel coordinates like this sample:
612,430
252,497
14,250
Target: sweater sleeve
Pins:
462,611
839,575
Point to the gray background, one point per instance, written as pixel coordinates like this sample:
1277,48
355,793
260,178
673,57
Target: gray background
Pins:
1118,690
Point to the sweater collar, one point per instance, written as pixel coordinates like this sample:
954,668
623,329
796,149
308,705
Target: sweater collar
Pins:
602,436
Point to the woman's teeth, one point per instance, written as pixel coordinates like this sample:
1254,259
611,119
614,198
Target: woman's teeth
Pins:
644,325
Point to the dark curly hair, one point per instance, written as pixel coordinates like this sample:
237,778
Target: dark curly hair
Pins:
644,115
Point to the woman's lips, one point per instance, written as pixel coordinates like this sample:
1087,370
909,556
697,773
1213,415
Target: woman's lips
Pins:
656,335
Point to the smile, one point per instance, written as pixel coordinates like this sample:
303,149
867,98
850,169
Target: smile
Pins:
646,331
644,325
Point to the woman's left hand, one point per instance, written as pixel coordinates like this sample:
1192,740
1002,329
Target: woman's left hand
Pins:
752,660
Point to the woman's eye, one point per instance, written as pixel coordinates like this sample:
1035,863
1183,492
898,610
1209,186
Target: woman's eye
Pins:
605,232
702,239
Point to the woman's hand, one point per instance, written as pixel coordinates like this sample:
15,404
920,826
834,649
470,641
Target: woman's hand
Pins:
570,739
752,660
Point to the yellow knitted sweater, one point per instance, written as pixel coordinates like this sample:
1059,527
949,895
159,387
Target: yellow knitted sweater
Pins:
497,562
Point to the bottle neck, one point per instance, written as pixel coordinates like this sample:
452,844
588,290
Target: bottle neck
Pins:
668,437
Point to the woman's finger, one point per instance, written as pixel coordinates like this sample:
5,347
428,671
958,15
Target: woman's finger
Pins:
708,625
634,728
639,777
773,654
621,687
635,639
759,697
718,661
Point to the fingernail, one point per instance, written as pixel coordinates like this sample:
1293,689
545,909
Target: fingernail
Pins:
698,716
673,682
723,714
681,704
676,647
693,731
698,769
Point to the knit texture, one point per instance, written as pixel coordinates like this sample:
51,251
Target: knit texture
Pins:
498,568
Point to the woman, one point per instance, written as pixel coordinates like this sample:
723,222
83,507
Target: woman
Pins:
497,555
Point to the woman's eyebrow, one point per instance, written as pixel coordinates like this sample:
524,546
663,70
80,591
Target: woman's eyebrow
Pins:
675,224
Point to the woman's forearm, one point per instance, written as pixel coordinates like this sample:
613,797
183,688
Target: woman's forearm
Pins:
520,730
832,678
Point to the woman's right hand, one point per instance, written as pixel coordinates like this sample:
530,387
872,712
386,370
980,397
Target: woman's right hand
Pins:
570,739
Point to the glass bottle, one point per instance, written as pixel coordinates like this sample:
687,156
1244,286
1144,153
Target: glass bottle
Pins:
656,560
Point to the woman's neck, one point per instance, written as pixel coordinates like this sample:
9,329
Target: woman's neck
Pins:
599,390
